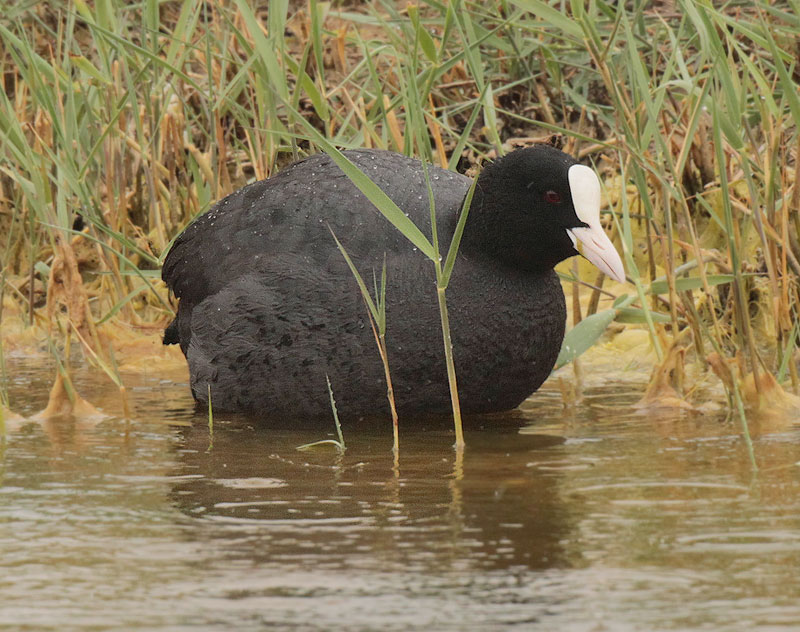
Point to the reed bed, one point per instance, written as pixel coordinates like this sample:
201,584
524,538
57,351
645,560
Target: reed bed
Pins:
120,122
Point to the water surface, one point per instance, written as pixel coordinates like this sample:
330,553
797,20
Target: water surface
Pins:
589,518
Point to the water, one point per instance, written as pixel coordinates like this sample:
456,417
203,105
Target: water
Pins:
590,519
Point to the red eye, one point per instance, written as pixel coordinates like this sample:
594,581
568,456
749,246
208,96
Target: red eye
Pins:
552,197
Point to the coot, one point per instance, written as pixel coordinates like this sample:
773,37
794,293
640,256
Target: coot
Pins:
268,306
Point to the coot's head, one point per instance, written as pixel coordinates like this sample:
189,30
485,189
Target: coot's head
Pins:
532,206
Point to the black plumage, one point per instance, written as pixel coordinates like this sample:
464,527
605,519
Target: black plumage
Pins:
268,306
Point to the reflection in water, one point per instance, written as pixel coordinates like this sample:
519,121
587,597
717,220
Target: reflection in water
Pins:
593,518
322,508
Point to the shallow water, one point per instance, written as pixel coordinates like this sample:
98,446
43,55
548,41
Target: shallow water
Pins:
593,518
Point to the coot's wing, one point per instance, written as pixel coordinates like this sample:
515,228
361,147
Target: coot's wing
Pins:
288,215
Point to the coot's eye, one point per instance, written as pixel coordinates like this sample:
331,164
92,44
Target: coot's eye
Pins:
552,197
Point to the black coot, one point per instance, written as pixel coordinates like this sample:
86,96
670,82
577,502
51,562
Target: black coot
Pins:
268,306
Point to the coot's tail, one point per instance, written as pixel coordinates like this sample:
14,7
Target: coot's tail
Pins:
171,333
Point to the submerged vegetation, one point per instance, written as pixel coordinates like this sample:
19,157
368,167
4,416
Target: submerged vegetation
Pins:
121,122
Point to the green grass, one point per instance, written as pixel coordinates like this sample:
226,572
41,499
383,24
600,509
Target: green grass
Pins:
376,310
137,117
338,443
210,421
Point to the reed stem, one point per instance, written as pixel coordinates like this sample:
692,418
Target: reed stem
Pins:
451,369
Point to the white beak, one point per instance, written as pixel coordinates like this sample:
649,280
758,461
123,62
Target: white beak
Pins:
597,247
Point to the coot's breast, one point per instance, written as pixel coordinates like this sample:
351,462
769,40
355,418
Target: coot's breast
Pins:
506,325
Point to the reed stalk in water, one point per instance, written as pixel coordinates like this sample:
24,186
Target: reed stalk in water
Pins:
376,311
210,421
337,443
